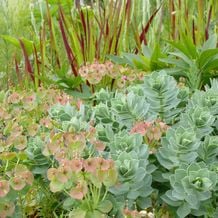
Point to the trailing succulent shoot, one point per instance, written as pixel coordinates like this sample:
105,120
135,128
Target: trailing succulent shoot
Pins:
131,161
191,186
69,118
180,145
198,118
123,109
208,151
161,92
208,99
103,114
191,140
134,177
124,142
104,96
130,108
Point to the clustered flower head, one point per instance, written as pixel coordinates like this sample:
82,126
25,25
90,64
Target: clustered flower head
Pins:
151,130
7,209
64,145
95,72
17,179
23,116
75,175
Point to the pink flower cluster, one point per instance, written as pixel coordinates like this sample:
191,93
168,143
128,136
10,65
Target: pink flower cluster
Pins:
95,72
80,172
152,131
20,176
7,209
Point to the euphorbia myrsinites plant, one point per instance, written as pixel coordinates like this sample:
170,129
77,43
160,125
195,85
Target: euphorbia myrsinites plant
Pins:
149,150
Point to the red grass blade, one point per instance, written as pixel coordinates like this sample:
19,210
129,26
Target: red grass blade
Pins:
146,28
28,66
70,55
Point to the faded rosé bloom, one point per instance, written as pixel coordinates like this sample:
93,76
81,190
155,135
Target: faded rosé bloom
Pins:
94,72
33,129
99,146
8,210
14,98
163,126
29,102
79,103
141,128
68,138
114,73
91,133
46,122
76,165
17,183
52,173
127,212
4,188
141,75
62,99
90,165
121,83
63,173
134,213
109,65
79,191
111,162
94,78
131,77
83,71
20,142
154,134
4,115
138,128
103,164
28,177
157,133
53,148
16,130
124,77
61,154
29,99
79,142
10,140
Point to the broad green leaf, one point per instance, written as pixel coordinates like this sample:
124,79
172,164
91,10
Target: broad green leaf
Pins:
207,56
183,57
183,210
210,43
77,213
11,40
94,214
191,48
68,203
105,206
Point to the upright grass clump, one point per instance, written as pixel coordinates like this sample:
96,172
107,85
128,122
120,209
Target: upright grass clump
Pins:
195,19
66,36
